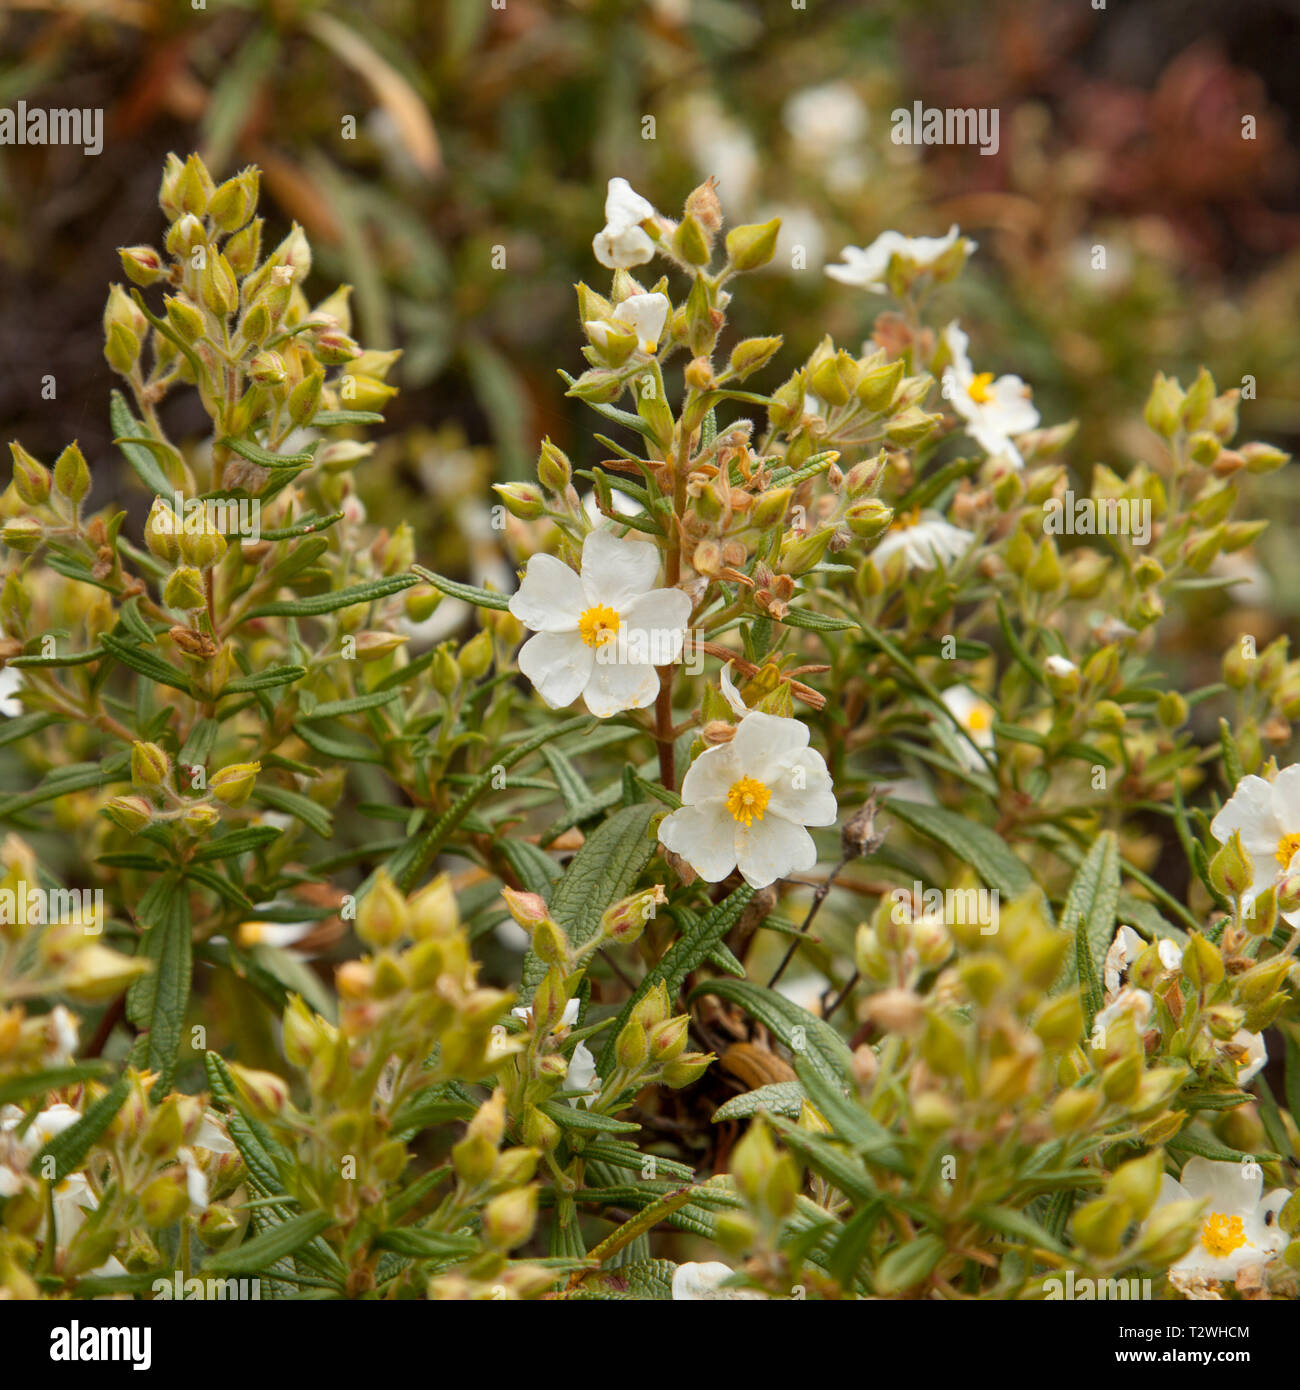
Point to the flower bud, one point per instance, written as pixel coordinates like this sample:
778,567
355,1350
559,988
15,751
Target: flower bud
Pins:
668,1040
234,784
1164,406
631,1048
132,813
1231,869
265,1093
184,589
508,1220
686,1069
433,914
232,203
31,478
522,500
626,919
166,1198
752,353
149,765
869,518
752,246
554,471
382,916
142,264
1263,458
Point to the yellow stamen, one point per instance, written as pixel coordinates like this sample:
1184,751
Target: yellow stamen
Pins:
598,625
979,719
1221,1234
904,521
1286,849
747,800
978,390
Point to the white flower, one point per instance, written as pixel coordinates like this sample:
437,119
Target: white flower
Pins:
1128,1001
1268,816
1254,1055
212,1135
274,933
693,1283
621,242
994,411
644,314
1235,1228
1059,666
10,683
976,716
600,635
746,803
72,1200
826,116
196,1184
621,502
62,1029
866,268
1126,948
581,1075
925,538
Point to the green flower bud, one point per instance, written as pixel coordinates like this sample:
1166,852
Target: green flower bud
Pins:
522,500
1171,710
631,1049
1044,573
1060,1025
71,476
475,657
1073,1110
149,765
911,427
1231,872
1137,1183
433,914
31,479
234,784
132,813
508,1220
751,354
668,1040
554,471
877,387
304,399
166,1199
382,917
752,246
1263,458
686,1069
1099,1225
233,202
869,518
184,589
1164,406
1259,915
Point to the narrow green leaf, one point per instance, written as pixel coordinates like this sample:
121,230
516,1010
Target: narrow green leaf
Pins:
256,1256
480,598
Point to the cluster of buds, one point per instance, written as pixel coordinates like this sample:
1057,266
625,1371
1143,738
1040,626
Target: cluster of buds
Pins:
1268,692
158,1162
49,501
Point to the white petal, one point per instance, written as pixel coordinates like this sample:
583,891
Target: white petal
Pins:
614,686
620,248
551,597
624,205
704,836
764,742
804,792
646,315
773,848
655,624
710,776
1231,1188
1250,810
614,571
1286,797
559,664
1256,1055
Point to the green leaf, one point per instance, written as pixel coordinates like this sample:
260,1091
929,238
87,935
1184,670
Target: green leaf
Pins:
806,1035
264,680
983,849
323,419
908,1265
1231,762
264,458
128,429
779,1098
1091,902
313,607
51,1079
144,663
419,1244
238,842
302,808
334,709
814,621
849,1119
602,871
480,598
1092,996
256,1256
71,1147
156,1002
1018,1226
585,1121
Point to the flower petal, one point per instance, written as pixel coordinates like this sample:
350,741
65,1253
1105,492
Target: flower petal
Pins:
1250,810
710,776
773,848
614,685
655,624
614,571
763,743
550,598
704,836
804,792
559,664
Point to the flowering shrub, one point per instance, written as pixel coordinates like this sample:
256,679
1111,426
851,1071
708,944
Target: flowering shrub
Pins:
856,633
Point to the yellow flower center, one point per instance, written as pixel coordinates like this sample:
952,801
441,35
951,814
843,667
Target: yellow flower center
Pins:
598,625
906,520
978,390
1221,1234
1286,848
979,719
747,800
